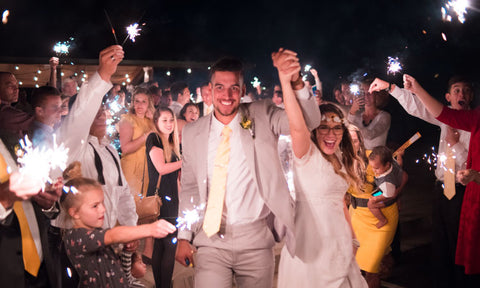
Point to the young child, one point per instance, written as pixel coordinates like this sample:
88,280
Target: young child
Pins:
88,245
389,178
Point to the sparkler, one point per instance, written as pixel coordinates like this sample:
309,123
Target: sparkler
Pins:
5,15
111,26
394,65
307,67
255,82
457,7
39,161
190,217
355,89
63,47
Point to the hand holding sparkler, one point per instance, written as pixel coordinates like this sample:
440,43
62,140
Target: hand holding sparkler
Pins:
110,57
288,65
52,193
379,85
468,175
184,254
20,188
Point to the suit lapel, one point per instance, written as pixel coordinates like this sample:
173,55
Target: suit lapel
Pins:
248,143
201,140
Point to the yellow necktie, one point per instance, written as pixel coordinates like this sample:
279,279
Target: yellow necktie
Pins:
449,175
216,196
31,260
208,110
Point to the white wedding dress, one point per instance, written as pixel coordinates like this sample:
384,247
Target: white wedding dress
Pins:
324,252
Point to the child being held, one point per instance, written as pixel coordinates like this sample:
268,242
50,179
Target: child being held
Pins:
389,178
88,245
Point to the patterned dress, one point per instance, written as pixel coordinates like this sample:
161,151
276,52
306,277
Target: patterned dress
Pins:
97,265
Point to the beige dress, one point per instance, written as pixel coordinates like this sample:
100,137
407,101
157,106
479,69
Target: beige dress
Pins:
134,165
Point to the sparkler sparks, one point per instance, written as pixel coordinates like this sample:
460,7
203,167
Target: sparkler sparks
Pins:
394,65
39,161
63,47
455,7
190,217
255,82
132,31
307,67
354,89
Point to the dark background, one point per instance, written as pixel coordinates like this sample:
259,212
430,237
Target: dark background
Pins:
341,39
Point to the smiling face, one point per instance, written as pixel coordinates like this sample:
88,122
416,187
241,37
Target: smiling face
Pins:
330,133
165,123
191,113
91,212
227,90
460,95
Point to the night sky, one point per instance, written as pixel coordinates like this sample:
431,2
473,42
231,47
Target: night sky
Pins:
340,39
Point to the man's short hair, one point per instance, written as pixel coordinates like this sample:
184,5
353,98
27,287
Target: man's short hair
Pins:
203,84
385,154
40,95
177,88
4,74
154,90
227,64
459,79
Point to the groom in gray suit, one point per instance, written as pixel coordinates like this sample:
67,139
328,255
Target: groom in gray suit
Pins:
257,207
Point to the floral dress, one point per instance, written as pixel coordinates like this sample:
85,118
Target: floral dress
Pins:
96,264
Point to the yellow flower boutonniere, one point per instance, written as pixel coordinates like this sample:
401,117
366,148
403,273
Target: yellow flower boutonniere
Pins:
247,123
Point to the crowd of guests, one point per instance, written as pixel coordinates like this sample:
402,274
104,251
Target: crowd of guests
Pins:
219,150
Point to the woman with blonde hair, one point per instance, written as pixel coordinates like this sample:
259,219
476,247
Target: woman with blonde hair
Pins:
134,128
163,158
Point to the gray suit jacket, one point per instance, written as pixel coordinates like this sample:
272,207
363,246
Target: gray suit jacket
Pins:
262,158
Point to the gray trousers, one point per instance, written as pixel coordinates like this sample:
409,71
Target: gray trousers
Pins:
240,252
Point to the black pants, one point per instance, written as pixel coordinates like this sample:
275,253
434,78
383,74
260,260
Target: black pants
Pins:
445,222
163,260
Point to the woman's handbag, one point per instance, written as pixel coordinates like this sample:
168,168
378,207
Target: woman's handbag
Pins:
148,207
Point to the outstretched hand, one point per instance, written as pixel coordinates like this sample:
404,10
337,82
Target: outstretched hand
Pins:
287,64
411,84
378,85
109,59
162,228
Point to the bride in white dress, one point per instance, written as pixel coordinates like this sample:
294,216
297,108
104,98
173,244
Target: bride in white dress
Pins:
323,171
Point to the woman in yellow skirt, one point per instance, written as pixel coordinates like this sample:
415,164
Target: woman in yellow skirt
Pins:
374,243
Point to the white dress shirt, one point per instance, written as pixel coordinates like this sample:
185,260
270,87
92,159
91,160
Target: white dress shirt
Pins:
243,202
415,107
374,134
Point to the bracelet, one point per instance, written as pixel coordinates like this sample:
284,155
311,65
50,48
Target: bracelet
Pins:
298,81
389,89
356,243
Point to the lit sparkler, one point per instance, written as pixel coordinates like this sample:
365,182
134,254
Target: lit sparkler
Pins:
355,89
455,7
132,32
394,65
63,47
255,82
5,15
307,67
39,161
190,217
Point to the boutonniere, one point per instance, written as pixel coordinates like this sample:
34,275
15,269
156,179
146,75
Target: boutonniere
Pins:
248,123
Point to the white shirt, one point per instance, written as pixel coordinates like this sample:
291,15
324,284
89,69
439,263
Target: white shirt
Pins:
415,107
374,134
207,109
74,132
243,202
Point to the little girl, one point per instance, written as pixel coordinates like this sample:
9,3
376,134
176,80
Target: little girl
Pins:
88,245
389,178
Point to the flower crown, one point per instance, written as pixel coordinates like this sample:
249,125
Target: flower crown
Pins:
333,118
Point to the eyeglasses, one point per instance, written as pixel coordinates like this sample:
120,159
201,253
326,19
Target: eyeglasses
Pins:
324,129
